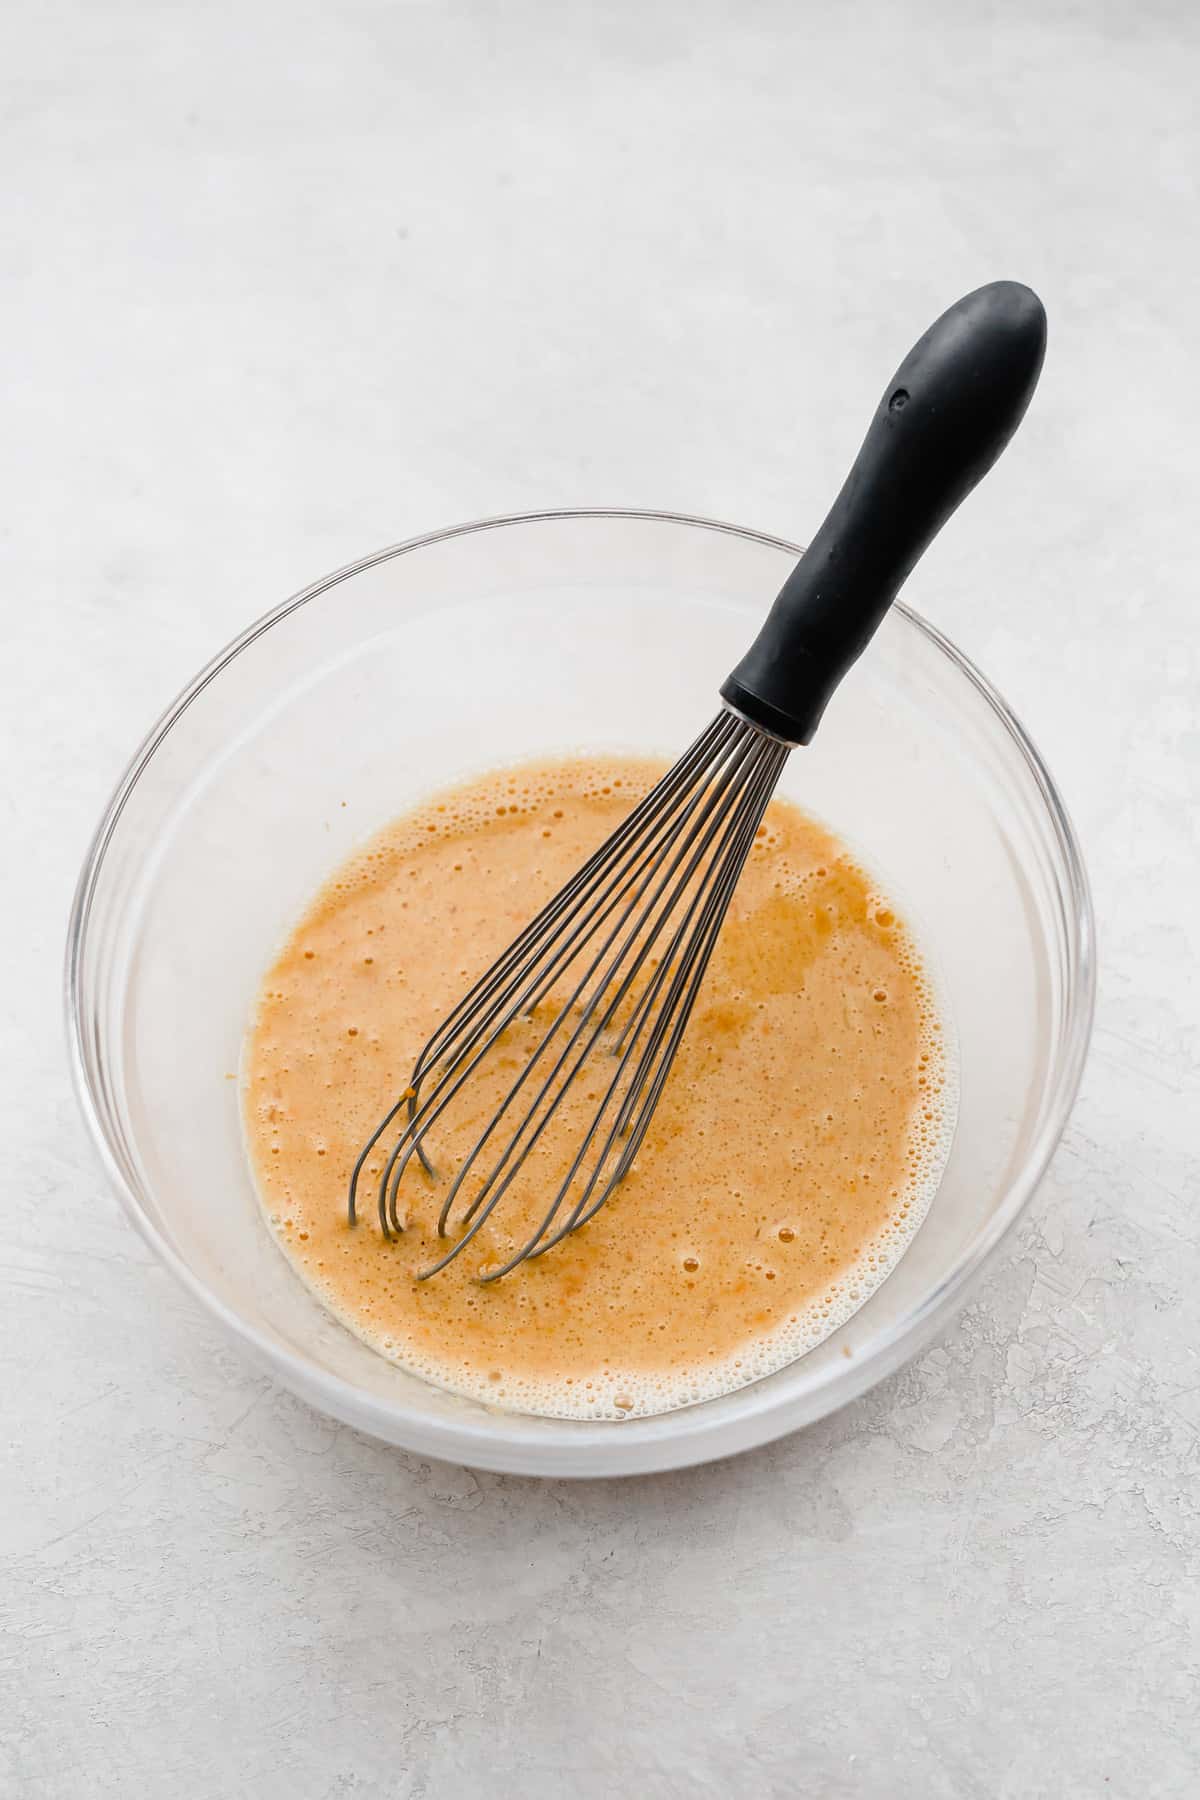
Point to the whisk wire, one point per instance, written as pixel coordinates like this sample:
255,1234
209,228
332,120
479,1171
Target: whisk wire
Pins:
719,800
716,903
446,1089
506,974
670,867
719,806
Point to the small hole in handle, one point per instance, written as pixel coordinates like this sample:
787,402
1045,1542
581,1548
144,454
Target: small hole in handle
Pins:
898,401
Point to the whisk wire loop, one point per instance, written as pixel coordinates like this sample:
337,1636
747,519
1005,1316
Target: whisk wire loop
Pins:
503,1009
653,896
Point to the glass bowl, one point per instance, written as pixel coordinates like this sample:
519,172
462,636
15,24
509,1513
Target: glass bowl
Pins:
519,638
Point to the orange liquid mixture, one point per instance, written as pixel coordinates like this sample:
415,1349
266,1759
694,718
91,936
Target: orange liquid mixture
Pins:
795,1150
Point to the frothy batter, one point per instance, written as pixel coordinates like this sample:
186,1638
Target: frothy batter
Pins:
795,1150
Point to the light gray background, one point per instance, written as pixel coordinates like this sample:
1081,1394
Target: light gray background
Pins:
282,283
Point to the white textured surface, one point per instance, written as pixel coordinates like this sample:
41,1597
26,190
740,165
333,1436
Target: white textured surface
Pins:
282,283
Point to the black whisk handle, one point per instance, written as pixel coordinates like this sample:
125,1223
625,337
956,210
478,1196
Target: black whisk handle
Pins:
948,412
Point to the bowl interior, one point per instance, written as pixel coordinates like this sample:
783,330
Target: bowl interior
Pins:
494,644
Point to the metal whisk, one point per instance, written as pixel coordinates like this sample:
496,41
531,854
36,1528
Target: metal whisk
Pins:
616,959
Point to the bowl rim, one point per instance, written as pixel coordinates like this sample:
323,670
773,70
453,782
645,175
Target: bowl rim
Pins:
606,1448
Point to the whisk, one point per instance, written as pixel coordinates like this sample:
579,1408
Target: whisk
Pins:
615,961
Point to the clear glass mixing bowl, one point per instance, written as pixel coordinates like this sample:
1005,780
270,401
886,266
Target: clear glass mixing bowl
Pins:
505,640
